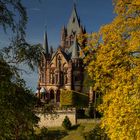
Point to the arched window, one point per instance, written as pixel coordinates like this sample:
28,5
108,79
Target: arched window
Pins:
61,78
59,62
52,77
56,79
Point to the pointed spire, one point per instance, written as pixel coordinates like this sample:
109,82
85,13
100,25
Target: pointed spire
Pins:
45,45
75,49
74,22
63,32
74,13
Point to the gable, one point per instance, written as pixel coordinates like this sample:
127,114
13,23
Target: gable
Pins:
58,57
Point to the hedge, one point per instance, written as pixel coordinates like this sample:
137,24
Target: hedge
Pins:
73,99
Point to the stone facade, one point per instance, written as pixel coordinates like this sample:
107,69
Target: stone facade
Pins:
62,69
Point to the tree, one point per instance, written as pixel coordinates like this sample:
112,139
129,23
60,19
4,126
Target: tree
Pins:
113,58
17,116
66,123
13,17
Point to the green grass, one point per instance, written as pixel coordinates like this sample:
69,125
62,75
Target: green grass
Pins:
76,133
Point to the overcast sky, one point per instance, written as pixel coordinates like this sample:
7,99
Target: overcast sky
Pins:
54,14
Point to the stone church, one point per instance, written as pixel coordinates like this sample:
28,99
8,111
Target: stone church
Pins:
62,69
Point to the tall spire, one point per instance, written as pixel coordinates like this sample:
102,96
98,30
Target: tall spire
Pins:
75,49
45,45
74,22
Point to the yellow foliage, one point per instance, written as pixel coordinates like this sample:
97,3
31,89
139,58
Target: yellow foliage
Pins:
113,62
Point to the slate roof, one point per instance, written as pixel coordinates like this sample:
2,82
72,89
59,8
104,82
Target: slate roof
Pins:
73,25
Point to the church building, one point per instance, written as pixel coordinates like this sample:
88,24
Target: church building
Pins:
62,69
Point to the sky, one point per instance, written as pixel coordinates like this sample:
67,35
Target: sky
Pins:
51,15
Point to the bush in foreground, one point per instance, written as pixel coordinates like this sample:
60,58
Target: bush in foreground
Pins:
66,123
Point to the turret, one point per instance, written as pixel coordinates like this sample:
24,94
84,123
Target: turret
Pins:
63,36
45,45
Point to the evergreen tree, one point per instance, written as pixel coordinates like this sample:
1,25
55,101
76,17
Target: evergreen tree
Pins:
66,123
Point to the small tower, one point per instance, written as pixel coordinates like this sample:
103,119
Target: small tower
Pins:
63,36
45,45
72,29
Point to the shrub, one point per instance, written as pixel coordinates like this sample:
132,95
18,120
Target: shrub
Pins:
66,123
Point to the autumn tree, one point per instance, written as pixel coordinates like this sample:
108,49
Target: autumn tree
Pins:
113,63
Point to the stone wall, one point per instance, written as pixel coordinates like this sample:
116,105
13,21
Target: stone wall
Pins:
56,119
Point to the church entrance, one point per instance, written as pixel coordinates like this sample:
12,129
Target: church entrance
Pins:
58,96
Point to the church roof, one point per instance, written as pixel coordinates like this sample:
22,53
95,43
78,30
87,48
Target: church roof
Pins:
62,52
73,25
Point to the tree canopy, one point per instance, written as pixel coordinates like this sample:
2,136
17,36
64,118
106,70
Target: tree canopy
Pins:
17,116
113,63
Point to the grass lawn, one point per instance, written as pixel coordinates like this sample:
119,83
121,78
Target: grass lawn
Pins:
76,133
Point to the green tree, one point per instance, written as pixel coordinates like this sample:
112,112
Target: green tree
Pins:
113,58
17,116
66,123
13,19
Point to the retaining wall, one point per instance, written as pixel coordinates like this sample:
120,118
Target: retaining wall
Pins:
56,119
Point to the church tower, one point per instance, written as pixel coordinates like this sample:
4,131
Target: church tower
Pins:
72,29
